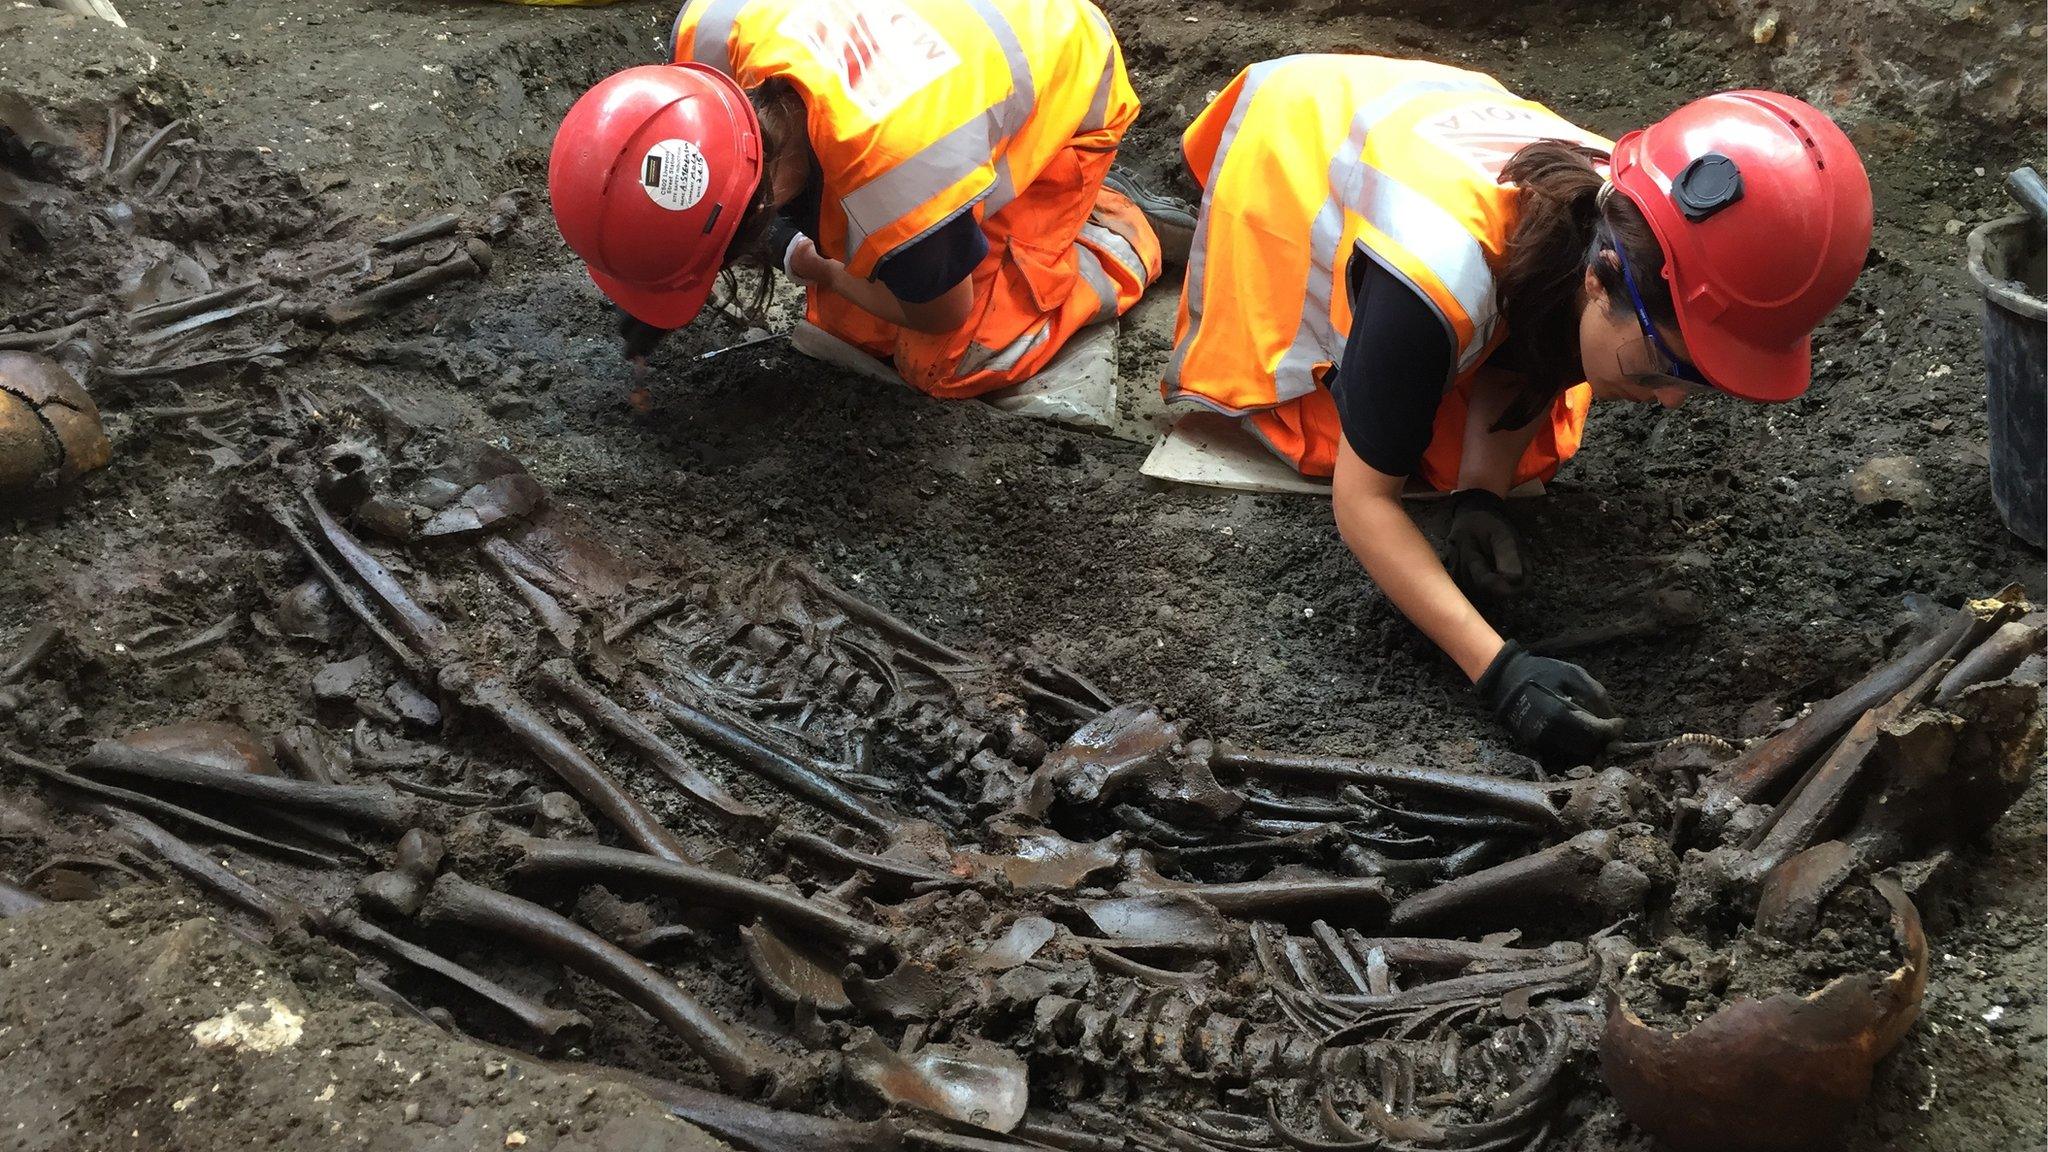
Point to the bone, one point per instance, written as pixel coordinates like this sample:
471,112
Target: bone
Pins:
391,998
848,861
1528,889
554,1028
373,805
1996,656
890,628
642,615
755,1128
752,753
37,341
350,598
1480,985
470,263
1765,767
199,642
1531,802
16,901
427,229
560,625
125,176
813,922
169,311
199,867
709,796
1350,900
972,1081
306,754
584,777
741,1063
422,628
1432,954
205,320
116,121
35,646
217,358
142,802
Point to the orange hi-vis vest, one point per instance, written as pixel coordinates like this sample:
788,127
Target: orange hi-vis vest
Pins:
919,108
1310,161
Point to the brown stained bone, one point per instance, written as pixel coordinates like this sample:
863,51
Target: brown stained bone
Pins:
642,615
1453,956
1999,654
971,1081
472,262
428,229
559,623
813,923
554,1028
36,645
1356,901
349,597
205,320
1531,890
790,973
597,787
753,1127
199,867
376,806
1134,749
1663,612
1764,768
741,1063
1518,798
1479,985
307,755
164,809
709,796
1789,906
125,176
1819,800
422,628
887,872
14,900
170,311
730,737
896,631
1779,1075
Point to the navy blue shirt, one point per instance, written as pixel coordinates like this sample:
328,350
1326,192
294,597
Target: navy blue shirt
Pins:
918,272
1397,362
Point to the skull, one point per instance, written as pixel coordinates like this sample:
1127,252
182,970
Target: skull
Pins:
49,428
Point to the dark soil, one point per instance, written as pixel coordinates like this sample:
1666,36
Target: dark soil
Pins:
1242,615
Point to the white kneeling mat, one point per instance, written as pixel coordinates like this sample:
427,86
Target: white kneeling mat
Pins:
819,344
1076,387
1215,451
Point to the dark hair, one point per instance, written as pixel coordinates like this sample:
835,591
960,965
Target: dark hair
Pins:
1563,229
785,124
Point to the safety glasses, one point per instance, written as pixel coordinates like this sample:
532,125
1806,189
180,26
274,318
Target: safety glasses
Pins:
1652,363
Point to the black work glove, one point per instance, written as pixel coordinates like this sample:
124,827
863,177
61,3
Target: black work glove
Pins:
1552,708
640,337
1486,552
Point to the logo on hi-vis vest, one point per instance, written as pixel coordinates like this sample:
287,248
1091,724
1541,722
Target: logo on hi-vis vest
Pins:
674,174
882,52
1488,133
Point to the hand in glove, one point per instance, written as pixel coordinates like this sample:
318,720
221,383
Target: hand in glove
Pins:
1554,709
1486,552
640,338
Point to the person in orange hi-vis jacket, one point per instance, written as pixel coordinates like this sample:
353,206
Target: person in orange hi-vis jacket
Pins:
934,171
1402,271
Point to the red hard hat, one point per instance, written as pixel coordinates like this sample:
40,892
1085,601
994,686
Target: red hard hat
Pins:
1763,210
652,171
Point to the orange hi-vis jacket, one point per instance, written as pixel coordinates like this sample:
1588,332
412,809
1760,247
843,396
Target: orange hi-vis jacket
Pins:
1308,162
921,109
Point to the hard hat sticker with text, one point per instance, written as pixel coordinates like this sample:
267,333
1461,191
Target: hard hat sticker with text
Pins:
675,174
882,52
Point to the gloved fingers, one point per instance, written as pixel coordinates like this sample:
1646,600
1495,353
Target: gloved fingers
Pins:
1578,686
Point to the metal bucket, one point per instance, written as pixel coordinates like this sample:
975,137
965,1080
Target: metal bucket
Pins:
2007,258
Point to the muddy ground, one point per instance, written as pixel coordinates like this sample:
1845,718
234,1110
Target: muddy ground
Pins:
1241,614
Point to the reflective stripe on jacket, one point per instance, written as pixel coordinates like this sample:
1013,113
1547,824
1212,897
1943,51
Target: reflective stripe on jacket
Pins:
920,109
1310,161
